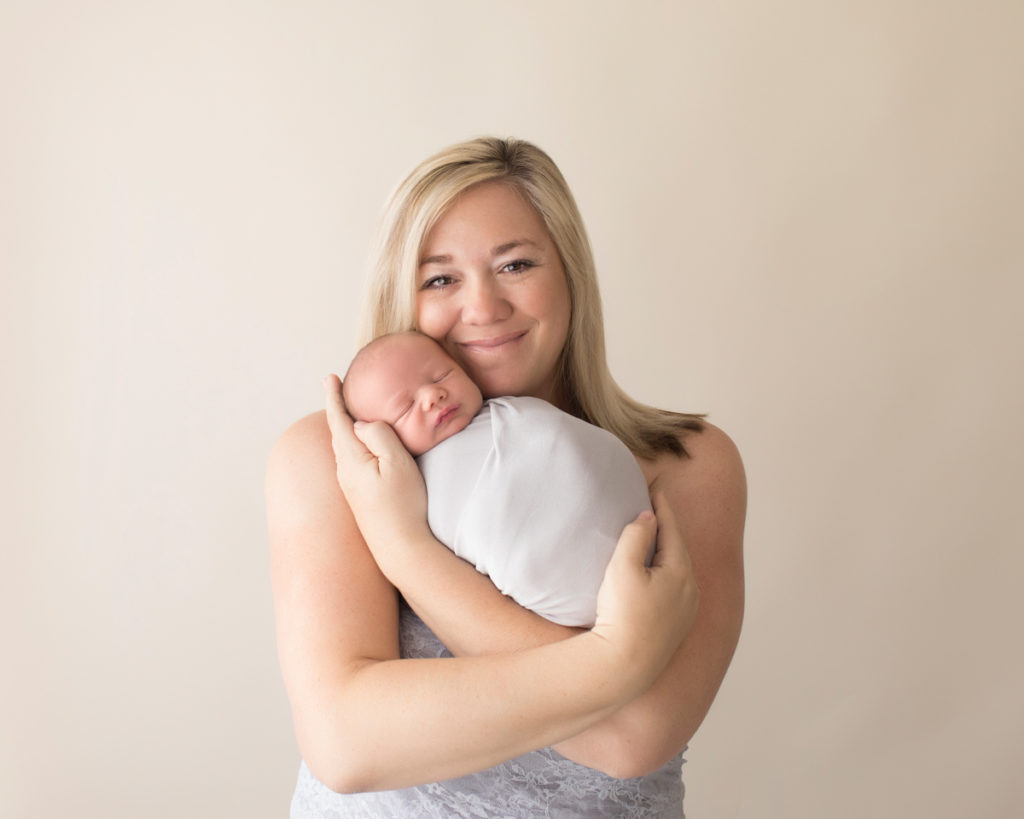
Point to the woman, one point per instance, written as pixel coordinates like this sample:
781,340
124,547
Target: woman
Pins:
482,248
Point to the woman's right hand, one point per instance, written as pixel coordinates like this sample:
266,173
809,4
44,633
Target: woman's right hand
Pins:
645,612
380,480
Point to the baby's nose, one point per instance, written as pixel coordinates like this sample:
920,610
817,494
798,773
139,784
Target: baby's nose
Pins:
433,394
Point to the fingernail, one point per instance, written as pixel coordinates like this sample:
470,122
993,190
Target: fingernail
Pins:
359,424
647,514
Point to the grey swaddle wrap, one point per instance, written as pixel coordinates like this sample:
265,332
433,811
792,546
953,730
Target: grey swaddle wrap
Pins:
535,499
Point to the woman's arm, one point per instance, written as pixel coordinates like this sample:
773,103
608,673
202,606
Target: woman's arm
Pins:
706,498
707,493
366,720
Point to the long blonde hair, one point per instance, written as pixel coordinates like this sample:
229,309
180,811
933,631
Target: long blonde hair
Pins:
427,193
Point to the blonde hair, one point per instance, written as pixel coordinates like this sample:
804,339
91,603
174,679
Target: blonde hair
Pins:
423,198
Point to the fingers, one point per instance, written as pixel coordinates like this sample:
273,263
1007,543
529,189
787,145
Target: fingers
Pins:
635,540
343,439
335,403
671,550
381,441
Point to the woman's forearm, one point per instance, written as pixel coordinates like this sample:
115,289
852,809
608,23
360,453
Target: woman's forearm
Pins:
472,618
444,718
465,610
397,723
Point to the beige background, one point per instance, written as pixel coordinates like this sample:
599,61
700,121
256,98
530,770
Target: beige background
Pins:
807,218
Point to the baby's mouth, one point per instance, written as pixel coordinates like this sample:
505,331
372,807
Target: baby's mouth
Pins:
446,414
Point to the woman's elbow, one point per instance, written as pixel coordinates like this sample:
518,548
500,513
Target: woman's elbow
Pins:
623,755
339,762
347,785
341,774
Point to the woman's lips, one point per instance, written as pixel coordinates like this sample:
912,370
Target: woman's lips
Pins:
491,343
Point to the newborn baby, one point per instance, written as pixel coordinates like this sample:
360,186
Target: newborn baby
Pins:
531,496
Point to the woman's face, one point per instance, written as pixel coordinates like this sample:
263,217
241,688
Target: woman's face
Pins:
491,289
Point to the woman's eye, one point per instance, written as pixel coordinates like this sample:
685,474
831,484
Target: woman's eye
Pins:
437,282
518,266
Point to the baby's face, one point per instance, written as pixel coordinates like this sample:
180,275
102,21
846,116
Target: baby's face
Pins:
413,385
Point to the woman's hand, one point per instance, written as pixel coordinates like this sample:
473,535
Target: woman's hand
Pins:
380,479
645,612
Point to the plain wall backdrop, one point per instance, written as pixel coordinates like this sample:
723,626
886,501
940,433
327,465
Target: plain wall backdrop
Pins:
809,223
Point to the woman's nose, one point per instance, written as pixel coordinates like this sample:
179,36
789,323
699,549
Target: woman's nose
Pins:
483,302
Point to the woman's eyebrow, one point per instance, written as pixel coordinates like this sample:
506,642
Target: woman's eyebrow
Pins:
507,246
444,258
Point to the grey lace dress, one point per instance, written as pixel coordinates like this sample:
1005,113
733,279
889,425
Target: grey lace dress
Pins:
538,784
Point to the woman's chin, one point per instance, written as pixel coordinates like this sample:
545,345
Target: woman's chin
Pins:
513,388
501,392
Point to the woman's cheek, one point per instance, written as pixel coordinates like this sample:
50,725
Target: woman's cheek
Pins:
429,322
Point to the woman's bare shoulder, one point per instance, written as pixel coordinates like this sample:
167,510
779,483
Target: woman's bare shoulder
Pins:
712,457
304,437
306,441
301,470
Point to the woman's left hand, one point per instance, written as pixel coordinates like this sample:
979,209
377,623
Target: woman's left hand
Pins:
380,479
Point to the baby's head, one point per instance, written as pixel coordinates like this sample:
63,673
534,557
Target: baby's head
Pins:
410,382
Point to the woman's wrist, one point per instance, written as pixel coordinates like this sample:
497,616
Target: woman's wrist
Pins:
623,680
398,553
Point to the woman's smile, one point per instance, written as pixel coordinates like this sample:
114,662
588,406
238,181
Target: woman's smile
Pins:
493,344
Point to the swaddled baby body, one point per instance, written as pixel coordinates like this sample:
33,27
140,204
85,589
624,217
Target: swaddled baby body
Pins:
531,496
535,499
